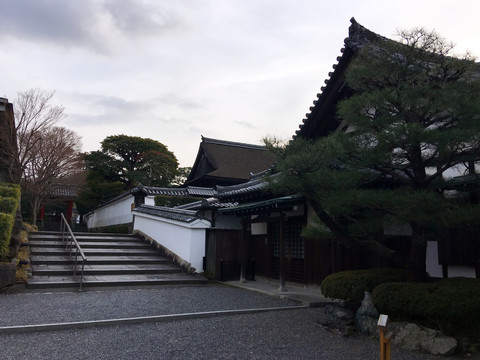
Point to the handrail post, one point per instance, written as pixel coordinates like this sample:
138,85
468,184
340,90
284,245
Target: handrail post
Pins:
75,265
81,277
71,238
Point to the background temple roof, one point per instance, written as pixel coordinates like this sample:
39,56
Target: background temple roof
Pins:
222,162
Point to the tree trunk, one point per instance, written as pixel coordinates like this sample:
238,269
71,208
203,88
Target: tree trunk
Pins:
416,269
372,246
36,203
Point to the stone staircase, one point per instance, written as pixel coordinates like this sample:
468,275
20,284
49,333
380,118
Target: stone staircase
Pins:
112,260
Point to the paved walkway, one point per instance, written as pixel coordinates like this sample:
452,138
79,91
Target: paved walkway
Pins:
310,296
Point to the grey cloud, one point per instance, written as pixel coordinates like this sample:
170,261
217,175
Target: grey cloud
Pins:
45,20
245,124
182,102
88,23
137,18
105,110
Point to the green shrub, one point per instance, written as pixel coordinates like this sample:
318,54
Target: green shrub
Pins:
350,286
9,190
450,305
8,205
9,199
171,201
6,226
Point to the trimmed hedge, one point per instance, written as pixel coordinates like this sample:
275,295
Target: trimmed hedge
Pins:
451,305
350,286
8,204
9,199
6,226
9,190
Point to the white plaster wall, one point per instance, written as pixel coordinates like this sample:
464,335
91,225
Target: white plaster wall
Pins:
259,228
150,200
118,212
433,267
89,219
186,240
461,271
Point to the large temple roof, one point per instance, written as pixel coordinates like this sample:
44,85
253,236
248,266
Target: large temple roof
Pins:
222,162
321,120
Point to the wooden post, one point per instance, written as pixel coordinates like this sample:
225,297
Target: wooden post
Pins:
42,212
69,211
385,345
384,338
243,251
282,286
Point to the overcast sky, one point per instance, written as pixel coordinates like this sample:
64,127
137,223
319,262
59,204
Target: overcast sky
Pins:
173,70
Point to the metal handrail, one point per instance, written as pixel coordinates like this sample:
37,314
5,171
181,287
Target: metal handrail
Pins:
70,240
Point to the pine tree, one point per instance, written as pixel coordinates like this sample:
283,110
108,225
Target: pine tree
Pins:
412,122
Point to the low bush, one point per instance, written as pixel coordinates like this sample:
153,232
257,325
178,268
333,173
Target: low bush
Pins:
450,305
23,256
350,286
29,228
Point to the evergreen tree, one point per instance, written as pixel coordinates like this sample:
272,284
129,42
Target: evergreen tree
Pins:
412,122
122,163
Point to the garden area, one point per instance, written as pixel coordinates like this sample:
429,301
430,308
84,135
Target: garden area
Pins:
450,305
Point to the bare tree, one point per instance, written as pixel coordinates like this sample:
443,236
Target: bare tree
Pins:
34,114
54,160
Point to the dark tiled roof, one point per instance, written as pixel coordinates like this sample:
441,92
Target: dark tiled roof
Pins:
206,204
322,116
252,186
222,162
275,204
231,143
200,191
63,191
186,191
169,213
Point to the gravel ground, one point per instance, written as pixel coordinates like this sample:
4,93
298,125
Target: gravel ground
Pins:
289,334
42,308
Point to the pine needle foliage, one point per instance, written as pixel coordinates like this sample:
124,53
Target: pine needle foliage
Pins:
413,120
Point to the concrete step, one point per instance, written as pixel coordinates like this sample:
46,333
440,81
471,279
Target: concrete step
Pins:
112,260
98,260
54,236
47,251
115,280
90,244
113,269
